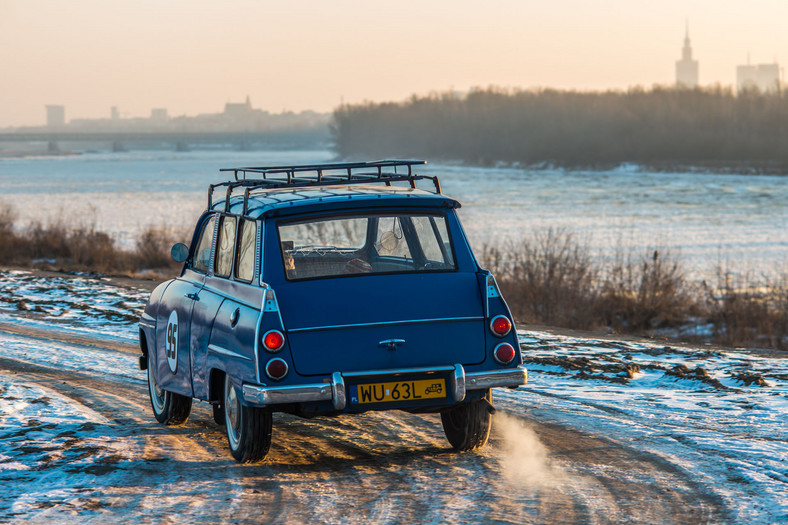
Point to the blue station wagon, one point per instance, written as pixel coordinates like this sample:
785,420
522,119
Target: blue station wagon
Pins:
328,289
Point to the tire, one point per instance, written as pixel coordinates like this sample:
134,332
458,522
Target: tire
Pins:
467,426
248,428
169,408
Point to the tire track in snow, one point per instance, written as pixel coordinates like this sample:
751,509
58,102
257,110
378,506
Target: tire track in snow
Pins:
384,467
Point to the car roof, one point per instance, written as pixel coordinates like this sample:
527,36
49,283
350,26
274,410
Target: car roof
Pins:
286,201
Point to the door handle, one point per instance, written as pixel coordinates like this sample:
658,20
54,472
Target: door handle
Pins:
234,317
193,296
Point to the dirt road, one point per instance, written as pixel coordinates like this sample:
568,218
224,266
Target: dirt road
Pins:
377,467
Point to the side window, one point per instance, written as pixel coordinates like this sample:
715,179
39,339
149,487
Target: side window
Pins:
433,237
202,253
225,246
442,232
244,261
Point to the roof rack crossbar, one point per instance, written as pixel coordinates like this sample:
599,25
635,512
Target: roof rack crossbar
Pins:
297,176
388,163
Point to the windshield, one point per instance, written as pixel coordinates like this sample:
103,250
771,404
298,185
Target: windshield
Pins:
365,244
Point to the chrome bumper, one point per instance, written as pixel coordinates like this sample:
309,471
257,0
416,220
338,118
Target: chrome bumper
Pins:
459,383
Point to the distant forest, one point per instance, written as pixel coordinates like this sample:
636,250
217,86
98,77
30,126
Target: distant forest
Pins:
660,127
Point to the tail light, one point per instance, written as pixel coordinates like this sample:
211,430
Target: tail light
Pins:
504,353
276,369
273,340
500,326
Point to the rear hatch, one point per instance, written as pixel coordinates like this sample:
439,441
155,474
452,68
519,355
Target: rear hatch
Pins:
382,322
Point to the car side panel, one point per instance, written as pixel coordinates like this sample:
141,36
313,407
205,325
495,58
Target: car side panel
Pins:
173,330
231,346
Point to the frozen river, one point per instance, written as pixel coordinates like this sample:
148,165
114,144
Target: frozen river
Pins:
737,221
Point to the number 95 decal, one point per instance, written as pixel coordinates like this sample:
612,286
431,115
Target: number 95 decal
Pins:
171,341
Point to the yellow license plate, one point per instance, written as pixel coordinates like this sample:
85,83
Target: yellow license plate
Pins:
398,391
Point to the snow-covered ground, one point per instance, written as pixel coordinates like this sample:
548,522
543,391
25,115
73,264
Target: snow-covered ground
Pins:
719,418
720,415
76,302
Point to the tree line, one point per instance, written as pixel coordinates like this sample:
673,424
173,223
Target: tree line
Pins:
659,127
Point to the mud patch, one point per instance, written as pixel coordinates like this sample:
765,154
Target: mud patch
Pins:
750,379
681,371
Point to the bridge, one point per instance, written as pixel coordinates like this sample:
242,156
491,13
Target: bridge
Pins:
120,139
141,136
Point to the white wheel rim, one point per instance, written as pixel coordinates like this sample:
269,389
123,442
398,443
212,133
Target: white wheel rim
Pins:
156,392
232,414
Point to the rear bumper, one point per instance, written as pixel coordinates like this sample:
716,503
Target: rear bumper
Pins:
335,391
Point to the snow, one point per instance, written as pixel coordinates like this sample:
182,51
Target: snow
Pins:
689,406
53,448
732,438
86,304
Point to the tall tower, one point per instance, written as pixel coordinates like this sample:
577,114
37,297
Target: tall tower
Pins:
686,68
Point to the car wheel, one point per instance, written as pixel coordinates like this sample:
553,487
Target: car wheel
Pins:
169,408
467,426
248,428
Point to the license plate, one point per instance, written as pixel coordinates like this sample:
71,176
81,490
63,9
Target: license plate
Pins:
397,391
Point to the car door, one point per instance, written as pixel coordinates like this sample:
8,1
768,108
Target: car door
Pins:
218,291
234,328
175,320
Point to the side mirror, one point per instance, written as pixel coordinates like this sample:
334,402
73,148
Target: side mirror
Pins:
179,252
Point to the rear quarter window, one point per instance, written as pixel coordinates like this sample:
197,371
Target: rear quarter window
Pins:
225,246
244,264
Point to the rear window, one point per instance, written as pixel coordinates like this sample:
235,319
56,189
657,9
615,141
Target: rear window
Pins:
365,244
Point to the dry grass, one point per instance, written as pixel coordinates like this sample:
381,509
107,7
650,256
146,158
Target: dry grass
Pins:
552,279
646,293
548,279
55,246
749,313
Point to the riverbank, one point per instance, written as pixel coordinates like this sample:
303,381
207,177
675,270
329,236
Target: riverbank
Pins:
548,278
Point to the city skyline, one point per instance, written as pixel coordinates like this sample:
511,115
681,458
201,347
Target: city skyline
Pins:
192,58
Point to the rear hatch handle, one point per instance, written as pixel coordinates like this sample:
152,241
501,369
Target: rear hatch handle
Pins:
391,344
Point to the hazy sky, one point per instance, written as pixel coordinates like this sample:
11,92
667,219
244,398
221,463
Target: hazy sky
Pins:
192,56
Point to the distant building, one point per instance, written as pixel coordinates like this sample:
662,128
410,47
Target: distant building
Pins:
763,77
56,116
238,110
158,114
114,113
686,68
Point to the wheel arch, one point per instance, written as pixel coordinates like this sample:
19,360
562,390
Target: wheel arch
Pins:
143,349
216,384
143,343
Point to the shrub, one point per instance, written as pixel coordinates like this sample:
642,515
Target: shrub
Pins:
548,279
153,249
651,293
57,246
750,314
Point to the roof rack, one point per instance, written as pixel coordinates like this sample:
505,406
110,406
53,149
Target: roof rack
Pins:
315,175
